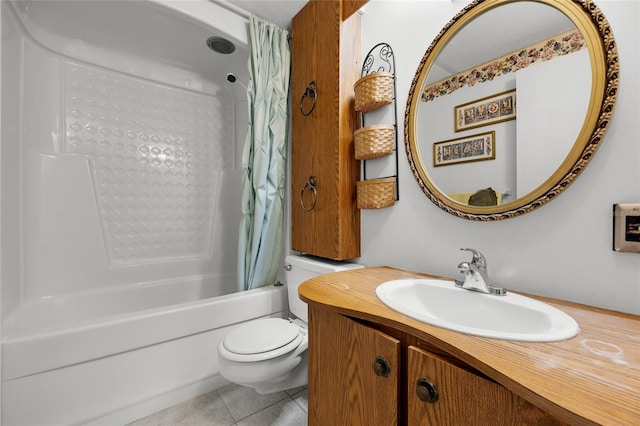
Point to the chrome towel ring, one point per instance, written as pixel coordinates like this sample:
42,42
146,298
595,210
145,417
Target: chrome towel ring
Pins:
311,186
311,92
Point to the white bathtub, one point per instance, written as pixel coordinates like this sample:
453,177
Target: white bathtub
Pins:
120,198
115,369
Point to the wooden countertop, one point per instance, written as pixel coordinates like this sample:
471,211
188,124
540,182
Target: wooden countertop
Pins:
593,378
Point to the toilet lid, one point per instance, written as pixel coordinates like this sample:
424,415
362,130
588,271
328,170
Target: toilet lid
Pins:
263,335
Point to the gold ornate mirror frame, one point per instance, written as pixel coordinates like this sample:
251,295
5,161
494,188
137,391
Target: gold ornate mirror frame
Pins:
593,25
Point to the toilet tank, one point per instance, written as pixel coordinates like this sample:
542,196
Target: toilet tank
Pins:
303,267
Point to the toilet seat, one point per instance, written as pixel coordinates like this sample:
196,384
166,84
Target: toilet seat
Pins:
261,339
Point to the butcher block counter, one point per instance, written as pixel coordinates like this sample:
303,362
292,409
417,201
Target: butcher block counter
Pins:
593,378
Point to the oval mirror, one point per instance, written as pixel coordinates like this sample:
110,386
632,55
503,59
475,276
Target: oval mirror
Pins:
509,103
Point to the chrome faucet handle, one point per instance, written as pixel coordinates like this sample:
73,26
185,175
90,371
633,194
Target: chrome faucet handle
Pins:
464,269
478,259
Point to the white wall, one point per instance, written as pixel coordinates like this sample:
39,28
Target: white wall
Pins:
561,250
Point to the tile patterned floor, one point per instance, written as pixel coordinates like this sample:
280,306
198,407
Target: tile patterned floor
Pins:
235,405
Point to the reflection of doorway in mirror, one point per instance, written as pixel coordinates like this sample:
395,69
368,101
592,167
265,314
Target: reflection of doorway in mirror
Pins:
552,104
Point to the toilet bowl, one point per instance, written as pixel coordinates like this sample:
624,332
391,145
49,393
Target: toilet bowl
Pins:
273,358
270,354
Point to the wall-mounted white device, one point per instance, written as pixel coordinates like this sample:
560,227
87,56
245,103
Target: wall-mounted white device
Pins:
626,227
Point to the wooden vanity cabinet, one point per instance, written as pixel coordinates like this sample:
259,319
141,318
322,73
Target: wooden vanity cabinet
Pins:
349,386
326,50
343,387
464,397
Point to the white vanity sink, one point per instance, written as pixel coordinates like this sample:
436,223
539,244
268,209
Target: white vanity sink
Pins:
508,317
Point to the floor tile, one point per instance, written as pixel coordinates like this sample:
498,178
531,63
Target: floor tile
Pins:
207,409
294,391
235,405
243,401
302,399
284,413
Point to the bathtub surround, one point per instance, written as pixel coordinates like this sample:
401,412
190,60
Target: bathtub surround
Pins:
124,170
264,157
121,187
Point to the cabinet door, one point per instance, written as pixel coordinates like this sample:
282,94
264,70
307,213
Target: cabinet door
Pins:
325,50
464,398
344,388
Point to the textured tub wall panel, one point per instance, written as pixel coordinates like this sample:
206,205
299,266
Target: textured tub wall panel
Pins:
157,153
126,180
63,237
40,97
10,166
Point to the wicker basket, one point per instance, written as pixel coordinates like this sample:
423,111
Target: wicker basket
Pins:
376,193
373,91
374,141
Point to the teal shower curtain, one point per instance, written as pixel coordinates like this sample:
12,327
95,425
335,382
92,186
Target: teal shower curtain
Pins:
264,156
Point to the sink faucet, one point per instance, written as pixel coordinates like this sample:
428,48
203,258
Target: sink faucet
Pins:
476,277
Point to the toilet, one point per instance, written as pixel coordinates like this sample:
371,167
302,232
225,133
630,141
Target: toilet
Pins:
270,354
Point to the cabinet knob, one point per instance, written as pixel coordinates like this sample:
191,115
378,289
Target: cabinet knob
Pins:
426,390
381,366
